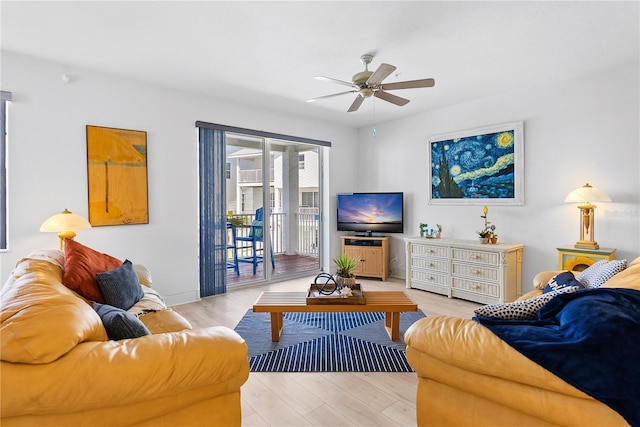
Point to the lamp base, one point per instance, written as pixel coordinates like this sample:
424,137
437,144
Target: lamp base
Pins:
587,244
65,235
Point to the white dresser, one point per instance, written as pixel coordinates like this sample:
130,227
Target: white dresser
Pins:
466,269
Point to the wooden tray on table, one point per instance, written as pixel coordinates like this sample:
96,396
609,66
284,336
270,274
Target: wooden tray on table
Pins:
315,298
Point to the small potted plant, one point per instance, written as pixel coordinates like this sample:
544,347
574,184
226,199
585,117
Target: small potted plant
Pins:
485,235
488,232
346,265
237,221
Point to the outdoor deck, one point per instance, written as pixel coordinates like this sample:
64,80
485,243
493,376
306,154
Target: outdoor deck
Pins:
285,265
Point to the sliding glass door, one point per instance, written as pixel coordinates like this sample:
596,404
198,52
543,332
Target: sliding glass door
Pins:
273,208
260,206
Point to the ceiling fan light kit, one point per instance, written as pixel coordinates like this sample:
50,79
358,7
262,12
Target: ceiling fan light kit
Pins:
369,83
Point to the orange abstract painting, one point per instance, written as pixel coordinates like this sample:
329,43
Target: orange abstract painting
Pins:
117,176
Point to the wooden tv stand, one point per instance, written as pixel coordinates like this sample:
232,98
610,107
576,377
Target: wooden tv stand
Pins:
373,253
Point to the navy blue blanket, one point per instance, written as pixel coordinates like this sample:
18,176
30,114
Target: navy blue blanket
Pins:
590,339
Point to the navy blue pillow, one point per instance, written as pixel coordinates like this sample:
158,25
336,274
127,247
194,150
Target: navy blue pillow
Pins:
562,280
120,324
120,287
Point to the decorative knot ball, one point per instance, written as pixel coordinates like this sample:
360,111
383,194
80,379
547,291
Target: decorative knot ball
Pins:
325,284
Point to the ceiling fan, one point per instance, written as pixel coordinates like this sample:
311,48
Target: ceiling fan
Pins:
367,83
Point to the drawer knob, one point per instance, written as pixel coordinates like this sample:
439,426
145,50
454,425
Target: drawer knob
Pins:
432,264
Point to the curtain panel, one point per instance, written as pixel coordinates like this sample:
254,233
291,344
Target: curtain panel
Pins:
213,225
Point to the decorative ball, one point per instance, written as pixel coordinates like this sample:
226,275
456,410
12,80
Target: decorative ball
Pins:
325,284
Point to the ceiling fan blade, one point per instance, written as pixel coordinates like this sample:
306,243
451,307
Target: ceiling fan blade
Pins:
410,84
340,82
380,74
390,98
331,96
356,104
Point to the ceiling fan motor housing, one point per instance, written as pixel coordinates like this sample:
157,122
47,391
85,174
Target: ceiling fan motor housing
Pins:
361,77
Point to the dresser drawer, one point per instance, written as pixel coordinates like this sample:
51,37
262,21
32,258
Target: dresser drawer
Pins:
429,277
428,281
442,290
475,272
482,292
479,257
430,251
431,264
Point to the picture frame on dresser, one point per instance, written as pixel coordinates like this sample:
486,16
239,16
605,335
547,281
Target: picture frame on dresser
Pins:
481,166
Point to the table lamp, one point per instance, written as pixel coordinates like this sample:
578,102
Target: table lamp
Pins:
585,195
65,224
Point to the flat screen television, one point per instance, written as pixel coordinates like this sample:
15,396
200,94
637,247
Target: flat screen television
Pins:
371,212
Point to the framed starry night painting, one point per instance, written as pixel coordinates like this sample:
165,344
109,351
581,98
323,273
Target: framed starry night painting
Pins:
482,166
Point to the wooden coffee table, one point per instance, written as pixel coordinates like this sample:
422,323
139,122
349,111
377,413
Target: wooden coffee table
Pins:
391,303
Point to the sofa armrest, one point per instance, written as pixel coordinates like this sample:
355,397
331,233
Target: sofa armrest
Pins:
144,274
119,373
541,279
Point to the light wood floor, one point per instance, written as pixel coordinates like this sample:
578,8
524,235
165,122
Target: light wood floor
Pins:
322,399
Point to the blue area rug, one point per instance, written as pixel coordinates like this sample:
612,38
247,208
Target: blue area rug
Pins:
326,342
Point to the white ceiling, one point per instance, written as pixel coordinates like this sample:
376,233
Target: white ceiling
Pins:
265,53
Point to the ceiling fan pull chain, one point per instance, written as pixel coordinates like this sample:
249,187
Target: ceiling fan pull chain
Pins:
374,118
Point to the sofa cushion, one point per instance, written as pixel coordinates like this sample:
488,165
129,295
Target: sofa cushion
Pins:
562,280
81,264
596,274
120,324
42,320
151,301
521,310
120,287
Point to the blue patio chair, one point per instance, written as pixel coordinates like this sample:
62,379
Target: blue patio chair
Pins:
231,246
250,243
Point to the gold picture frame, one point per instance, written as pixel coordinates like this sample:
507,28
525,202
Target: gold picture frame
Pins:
117,176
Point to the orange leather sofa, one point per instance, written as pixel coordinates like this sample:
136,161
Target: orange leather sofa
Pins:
60,369
467,376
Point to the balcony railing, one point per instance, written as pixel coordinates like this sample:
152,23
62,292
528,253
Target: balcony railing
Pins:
308,233
252,176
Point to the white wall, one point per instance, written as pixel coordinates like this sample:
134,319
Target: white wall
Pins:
47,163
583,130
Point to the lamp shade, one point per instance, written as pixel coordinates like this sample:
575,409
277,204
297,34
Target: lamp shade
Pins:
587,194
65,221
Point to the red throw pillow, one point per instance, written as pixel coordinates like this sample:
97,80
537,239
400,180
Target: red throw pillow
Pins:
80,267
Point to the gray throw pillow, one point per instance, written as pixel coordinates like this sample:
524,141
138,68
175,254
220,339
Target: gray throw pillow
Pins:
120,324
120,287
